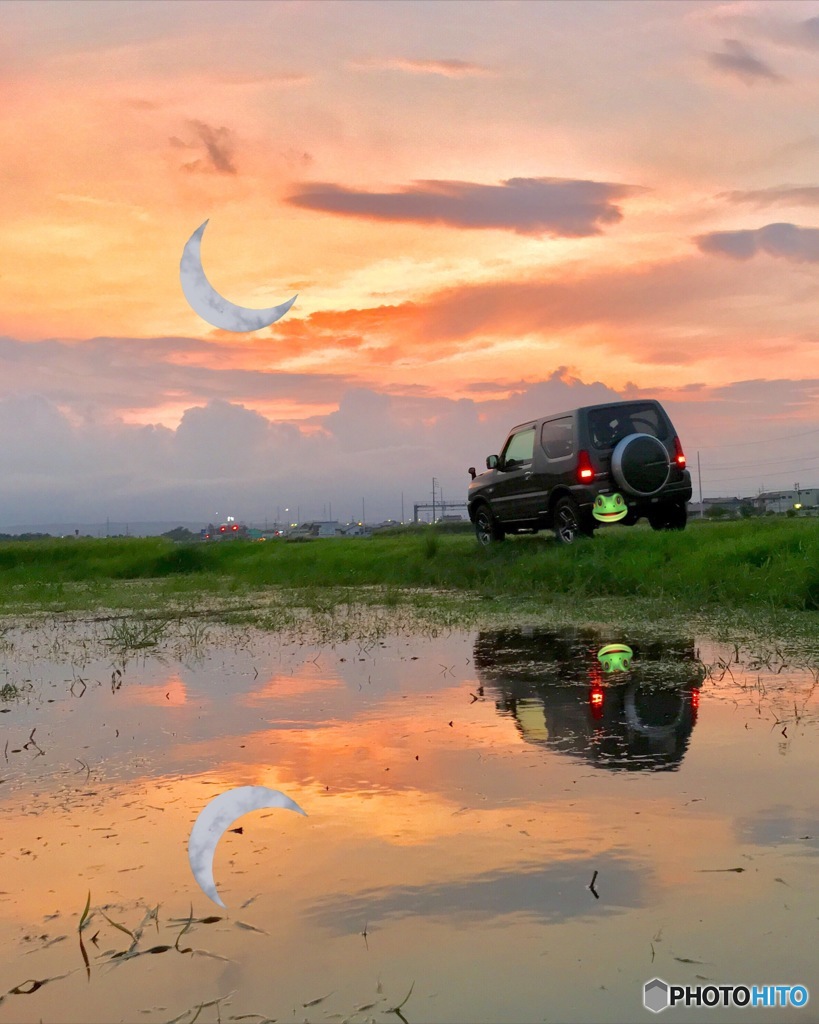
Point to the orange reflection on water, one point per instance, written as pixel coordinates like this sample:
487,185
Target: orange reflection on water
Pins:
172,693
434,821
283,685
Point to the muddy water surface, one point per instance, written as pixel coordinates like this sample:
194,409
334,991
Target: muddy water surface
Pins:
494,825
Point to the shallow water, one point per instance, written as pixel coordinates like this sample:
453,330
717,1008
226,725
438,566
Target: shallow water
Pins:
462,793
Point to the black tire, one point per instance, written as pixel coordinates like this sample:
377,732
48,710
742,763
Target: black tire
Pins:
568,523
670,517
631,518
487,529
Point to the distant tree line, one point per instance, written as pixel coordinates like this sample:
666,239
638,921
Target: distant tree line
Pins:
25,536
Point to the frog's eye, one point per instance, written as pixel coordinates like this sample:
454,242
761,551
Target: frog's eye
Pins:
618,499
598,501
625,663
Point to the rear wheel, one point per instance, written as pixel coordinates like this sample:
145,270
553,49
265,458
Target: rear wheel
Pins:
568,523
669,517
487,529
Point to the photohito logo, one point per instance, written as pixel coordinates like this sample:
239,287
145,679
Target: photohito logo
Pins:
659,995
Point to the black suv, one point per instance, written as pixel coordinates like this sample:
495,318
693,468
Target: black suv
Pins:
571,471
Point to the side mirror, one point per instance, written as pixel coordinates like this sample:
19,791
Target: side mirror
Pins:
491,461
472,472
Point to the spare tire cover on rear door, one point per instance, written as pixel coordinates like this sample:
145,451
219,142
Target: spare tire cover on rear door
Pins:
640,465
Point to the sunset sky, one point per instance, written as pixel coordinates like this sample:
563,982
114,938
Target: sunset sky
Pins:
490,211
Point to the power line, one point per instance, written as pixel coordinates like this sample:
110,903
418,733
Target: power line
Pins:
764,462
744,444
748,475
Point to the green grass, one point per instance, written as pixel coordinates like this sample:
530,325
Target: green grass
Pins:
14,691
764,564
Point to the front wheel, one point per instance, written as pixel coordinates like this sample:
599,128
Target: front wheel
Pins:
568,522
669,517
487,529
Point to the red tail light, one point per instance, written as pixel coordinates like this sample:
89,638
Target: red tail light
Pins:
585,471
596,701
695,704
221,529
679,456
234,527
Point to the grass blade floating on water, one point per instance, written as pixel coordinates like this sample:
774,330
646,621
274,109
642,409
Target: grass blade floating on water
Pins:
79,932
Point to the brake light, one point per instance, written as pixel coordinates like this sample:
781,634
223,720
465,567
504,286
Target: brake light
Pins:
596,701
695,704
234,527
585,471
222,529
679,456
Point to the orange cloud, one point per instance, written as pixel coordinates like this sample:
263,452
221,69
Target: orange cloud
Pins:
447,67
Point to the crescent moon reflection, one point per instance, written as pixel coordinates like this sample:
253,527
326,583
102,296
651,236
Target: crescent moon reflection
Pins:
210,305
216,817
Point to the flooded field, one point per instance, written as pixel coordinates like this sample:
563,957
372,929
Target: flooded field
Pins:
495,829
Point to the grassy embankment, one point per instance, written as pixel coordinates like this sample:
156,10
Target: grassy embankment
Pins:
756,564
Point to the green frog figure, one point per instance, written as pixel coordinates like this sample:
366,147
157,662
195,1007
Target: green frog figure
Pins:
608,508
615,657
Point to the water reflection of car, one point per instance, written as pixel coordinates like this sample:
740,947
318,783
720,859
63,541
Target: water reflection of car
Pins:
553,686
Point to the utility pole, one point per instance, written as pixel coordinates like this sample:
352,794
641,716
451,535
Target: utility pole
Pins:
363,516
434,481
402,508
699,477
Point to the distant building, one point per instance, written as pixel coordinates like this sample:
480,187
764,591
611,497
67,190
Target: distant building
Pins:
318,528
731,505
356,530
781,501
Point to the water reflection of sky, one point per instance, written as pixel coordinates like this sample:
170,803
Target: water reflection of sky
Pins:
457,835
544,893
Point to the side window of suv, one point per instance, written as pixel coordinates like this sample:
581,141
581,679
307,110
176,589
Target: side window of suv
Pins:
519,449
556,438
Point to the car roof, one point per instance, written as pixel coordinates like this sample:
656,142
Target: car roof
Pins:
584,408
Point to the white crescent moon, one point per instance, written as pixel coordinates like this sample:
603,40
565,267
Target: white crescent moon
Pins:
216,817
209,304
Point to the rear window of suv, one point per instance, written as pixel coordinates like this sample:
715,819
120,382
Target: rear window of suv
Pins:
608,426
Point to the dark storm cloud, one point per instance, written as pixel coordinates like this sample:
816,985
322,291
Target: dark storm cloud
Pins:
808,32
738,61
69,457
561,207
786,241
777,195
219,144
